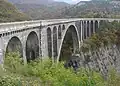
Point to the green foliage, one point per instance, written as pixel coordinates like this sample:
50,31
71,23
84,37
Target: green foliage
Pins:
106,36
13,61
9,13
46,73
113,78
41,72
8,80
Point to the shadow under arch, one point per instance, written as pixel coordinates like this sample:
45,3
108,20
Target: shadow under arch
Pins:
96,26
59,32
55,52
63,27
32,46
49,41
14,45
71,33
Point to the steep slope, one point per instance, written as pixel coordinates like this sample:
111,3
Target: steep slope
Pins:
39,9
9,13
95,8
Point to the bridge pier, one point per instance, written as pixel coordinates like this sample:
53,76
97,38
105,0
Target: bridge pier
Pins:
24,54
93,27
40,50
81,32
90,29
1,52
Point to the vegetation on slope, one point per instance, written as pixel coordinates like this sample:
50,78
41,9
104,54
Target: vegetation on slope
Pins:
105,37
40,11
9,13
46,73
94,8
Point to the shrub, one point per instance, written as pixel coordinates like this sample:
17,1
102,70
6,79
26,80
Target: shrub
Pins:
46,73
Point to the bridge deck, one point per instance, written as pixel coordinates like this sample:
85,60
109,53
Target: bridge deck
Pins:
13,26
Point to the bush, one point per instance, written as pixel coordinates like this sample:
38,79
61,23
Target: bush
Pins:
46,73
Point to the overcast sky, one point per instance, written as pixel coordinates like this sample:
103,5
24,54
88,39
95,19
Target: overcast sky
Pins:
72,1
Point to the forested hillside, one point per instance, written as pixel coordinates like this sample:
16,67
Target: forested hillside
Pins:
94,8
9,13
49,9
40,9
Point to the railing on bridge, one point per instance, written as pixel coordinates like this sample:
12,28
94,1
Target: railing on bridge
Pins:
12,26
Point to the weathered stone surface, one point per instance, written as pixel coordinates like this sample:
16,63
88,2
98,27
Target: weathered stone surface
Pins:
103,59
21,30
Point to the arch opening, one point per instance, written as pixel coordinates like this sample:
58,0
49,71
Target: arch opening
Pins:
96,26
63,27
55,52
70,44
14,45
49,41
88,29
91,27
59,32
32,46
85,35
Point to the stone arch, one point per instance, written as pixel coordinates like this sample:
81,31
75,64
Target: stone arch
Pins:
59,32
32,46
14,45
55,52
63,27
49,41
96,26
91,27
75,35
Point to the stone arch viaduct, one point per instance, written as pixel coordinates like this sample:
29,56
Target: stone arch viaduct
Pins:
44,38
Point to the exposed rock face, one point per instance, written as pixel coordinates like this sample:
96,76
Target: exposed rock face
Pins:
102,60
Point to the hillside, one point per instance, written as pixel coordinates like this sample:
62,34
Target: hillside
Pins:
39,9
52,9
95,8
9,13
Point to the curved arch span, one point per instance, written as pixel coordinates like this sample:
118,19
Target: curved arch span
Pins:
14,45
32,46
71,32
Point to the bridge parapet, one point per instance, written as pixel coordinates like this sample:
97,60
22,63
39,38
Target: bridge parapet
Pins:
13,26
